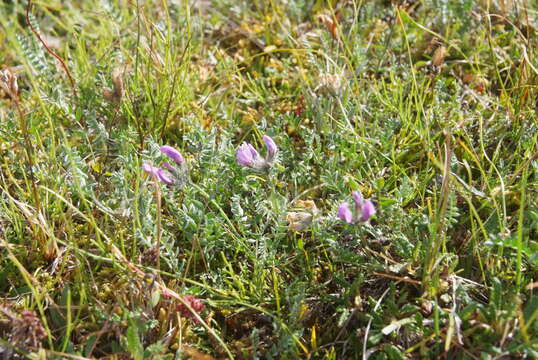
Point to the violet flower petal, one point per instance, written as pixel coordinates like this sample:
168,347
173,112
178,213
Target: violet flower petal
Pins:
147,168
150,169
345,214
358,198
169,167
245,155
163,176
368,210
253,151
271,148
172,153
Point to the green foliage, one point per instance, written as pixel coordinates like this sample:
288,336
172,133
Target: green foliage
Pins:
134,346
426,107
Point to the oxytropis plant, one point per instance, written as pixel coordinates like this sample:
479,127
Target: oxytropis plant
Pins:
363,211
247,156
174,174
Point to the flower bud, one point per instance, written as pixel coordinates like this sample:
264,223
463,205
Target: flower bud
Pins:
172,153
272,149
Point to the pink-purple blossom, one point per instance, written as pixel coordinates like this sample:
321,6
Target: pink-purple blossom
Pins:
364,209
247,156
368,210
344,213
357,197
150,169
172,154
164,177
271,148
173,174
169,167
158,173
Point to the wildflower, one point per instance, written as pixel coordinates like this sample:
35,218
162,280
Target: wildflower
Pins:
364,210
357,197
368,210
163,176
345,214
247,156
173,154
169,167
194,303
271,148
157,173
150,169
176,174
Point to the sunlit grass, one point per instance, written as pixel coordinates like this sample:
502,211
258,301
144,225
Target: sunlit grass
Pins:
427,108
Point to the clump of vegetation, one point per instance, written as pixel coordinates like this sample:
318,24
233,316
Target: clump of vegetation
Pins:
140,219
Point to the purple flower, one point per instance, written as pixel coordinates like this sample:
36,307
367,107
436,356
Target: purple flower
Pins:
169,167
148,168
172,153
272,149
163,176
357,197
246,155
345,214
157,173
368,210
364,209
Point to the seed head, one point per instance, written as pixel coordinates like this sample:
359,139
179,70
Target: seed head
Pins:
194,303
8,82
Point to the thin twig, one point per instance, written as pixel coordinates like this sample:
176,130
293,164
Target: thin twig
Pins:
49,50
399,278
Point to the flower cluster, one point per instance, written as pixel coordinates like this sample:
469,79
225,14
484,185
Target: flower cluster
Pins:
194,303
364,210
175,174
247,156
